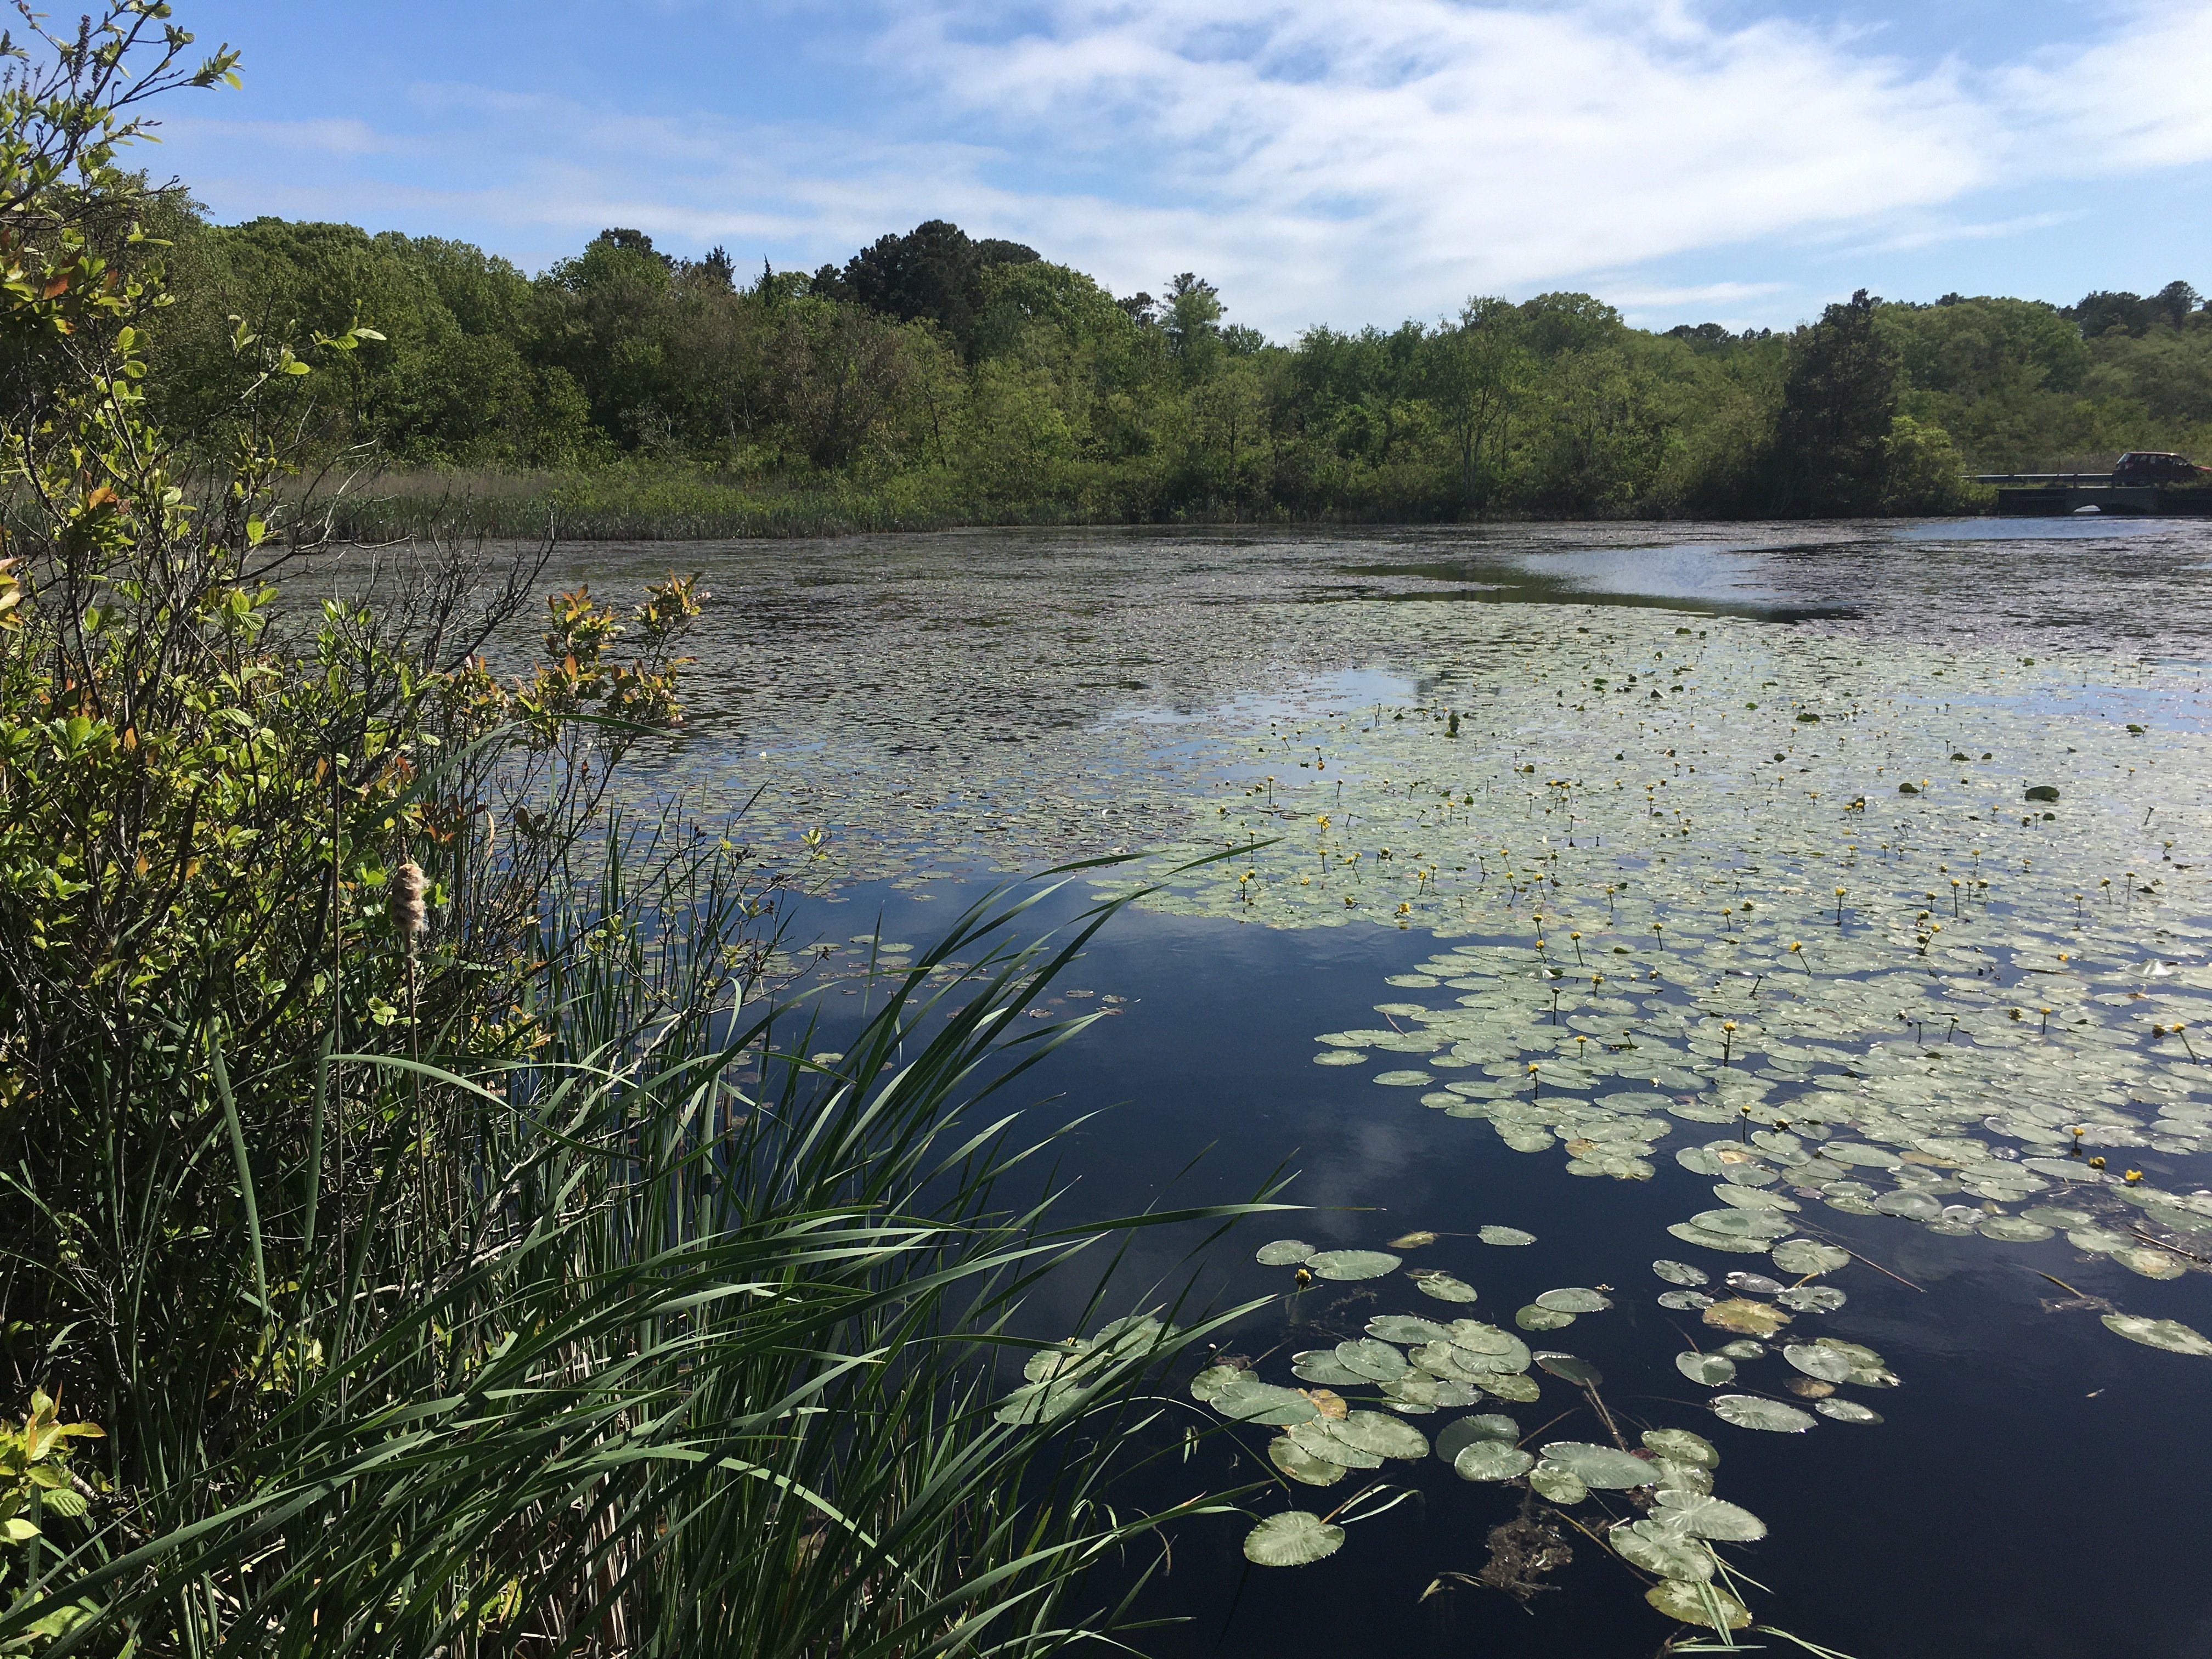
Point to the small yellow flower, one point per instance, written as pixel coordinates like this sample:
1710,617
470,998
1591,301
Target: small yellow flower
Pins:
2096,1162
1727,1025
2132,1177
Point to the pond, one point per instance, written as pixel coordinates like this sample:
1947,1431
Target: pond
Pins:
1732,994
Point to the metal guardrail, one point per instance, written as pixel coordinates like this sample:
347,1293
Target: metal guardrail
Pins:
2076,479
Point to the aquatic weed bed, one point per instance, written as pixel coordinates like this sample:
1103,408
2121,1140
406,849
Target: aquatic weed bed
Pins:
1627,837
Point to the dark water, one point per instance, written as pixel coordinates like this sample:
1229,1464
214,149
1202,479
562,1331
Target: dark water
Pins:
2034,1490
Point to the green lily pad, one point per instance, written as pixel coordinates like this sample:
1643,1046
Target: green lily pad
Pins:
1685,1301
1377,1362
1681,1446
1690,1234
2168,1334
1492,1460
1807,1256
1213,1380
1810,1298
1444,1287
1521,1390
1247,1400
1383,1435
1405,1329
1292,1538
1320,1439
1708,1371
1568,1369
1350,1265
1283,1252
1299,1464
1322,1367
1535,1318
1556,1483
2150,1263
1605,1468
1403,1079
1660,1549
1680,1273
1464,1432
1699,1603
1749,1411
1573,1299
1505,1236
1701,1516
1846,1411
1825,1364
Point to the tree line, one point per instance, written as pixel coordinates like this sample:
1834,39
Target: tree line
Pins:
974,375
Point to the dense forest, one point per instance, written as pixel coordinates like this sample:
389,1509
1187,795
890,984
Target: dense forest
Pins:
938,378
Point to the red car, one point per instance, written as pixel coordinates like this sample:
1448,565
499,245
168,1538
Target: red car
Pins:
2142,466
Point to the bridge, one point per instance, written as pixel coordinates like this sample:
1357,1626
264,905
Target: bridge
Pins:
2056,495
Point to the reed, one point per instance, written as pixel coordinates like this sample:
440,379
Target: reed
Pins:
658,1338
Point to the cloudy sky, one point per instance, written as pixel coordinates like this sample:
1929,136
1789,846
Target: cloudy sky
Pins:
1350,161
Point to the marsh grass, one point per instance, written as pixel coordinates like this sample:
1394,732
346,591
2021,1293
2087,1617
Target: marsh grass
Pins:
630,1354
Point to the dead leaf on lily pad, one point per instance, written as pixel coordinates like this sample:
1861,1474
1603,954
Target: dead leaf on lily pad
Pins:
1747,1317
1329,1403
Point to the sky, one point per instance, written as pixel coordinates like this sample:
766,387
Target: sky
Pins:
1339,161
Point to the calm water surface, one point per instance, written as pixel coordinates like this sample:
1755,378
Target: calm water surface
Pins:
2036,1490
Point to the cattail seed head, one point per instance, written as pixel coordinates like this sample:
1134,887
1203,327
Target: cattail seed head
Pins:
409,914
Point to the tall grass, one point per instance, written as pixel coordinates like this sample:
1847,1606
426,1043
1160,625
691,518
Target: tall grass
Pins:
628,1353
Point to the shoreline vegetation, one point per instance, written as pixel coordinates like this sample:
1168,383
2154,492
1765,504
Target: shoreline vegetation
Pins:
433,1223
937,379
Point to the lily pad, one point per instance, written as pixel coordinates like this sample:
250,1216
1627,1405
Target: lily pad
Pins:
1535,1317
1350,1265
1247,1400
1405,1329
1827,1365
1412,1241
1444,1287
1605,1468
1381,1434
1573,1299
1748,1317
1505,1236
1492,1460
1700,1603
1283,1252
1847,1411
1213,1380
1660,1549
1708,1371
1321,1366
2015,1229
1568,1369
2168,1334
1701,1517
1377,1362
1299,1464
1749,1411
1556,1483
1681,1446
1685,1301
1679,1273
1806,1255
1292,1538
1812,1298
1462,1432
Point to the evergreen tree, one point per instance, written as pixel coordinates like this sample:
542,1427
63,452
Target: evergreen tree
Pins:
1839,401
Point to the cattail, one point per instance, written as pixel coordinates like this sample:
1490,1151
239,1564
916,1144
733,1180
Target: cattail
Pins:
409,915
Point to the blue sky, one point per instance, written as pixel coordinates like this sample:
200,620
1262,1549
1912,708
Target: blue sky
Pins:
1347,162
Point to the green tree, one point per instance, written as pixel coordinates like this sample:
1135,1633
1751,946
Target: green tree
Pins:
1839,401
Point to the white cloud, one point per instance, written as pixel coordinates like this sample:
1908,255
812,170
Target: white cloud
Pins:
1347,160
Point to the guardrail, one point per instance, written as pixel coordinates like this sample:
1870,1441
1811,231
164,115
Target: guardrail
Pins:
2074,478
